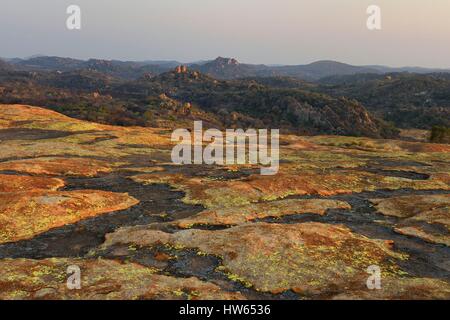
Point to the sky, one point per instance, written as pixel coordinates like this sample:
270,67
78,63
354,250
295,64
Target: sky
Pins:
414,32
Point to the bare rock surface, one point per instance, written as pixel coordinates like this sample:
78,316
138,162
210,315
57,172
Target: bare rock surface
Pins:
100,280
109,199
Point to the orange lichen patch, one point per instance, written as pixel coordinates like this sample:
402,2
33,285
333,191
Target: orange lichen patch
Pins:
210,193
359,143
22,116
282,185
83,138
120,137
14,115
418,232
334,182
430,209
415,207
174,179
142,136
310,258
368,144
238,167
58,166
426,147
218,194
100,280
437,172
54,148
26,214
324,159
415,135
422,147
83,145
144,169
299,143
242,214
441,176
86,138
15,183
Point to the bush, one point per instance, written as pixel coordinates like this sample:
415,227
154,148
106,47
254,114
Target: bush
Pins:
440,134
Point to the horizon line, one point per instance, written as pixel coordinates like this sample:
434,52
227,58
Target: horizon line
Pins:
212,59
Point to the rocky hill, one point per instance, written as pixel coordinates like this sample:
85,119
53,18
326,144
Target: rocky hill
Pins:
229,68
100,97
220,68
247,103
344,102
4,66
408,100
121,69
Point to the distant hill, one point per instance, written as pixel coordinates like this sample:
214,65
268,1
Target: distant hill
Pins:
406,99
321,69
321,97
5,66
384,69
247,103
228,68
120,69
90,80
50,63
180,96
220,68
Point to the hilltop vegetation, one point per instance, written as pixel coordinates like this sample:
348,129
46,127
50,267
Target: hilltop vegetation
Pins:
109,199
324,97
180,96
440,135
220,68
408,100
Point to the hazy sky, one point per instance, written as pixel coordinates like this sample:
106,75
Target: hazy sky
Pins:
414,32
